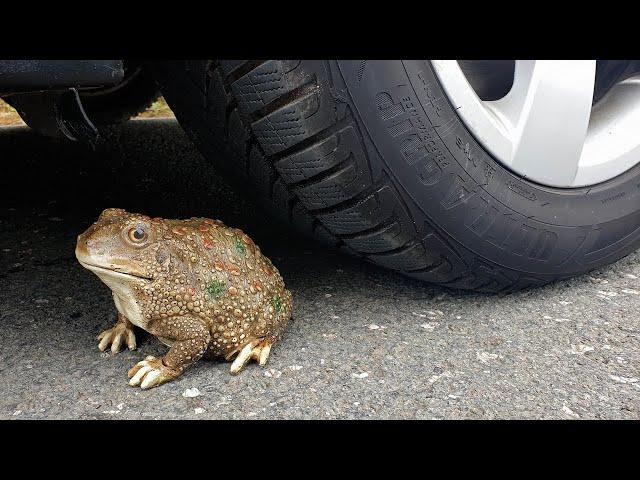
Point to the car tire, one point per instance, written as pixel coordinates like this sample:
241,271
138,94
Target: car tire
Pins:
371,157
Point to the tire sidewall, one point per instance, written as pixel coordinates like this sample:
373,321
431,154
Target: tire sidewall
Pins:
446,176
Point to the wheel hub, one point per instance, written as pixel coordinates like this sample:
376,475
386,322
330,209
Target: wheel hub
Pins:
557,123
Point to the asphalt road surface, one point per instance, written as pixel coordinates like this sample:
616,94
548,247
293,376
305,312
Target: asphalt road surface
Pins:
364,343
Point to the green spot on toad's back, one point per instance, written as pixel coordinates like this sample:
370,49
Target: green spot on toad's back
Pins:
240,248
277,303
215,288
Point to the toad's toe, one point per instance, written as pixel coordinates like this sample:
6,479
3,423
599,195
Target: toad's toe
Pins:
149,373
115,337
257,350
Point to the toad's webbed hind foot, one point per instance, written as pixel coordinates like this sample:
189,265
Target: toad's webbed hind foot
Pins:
256,349
150,372
121,331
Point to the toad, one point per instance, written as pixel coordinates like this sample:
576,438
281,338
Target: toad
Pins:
200,287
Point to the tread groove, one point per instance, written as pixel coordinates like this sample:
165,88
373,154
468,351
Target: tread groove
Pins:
395,251
283,100
240,71
369,231
320,177
309,142
428,269
362,197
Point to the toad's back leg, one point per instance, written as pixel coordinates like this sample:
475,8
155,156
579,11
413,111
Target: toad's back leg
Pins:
189,338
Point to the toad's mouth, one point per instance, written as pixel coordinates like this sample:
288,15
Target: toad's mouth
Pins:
115,271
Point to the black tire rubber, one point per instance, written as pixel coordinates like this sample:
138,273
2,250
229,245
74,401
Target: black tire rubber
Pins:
371,157
117,104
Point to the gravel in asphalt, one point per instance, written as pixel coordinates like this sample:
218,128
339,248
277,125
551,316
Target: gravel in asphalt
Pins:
364,342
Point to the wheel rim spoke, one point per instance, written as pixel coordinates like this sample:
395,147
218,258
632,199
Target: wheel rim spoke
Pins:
546,128
547,114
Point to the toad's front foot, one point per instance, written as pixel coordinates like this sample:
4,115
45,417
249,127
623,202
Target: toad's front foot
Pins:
121,332
151,372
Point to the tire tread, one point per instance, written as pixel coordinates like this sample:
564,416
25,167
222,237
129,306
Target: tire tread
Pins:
298,146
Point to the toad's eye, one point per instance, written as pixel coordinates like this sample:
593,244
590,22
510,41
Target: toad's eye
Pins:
137,235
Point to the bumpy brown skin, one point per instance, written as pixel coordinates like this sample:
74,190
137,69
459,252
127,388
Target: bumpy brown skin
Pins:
201,287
